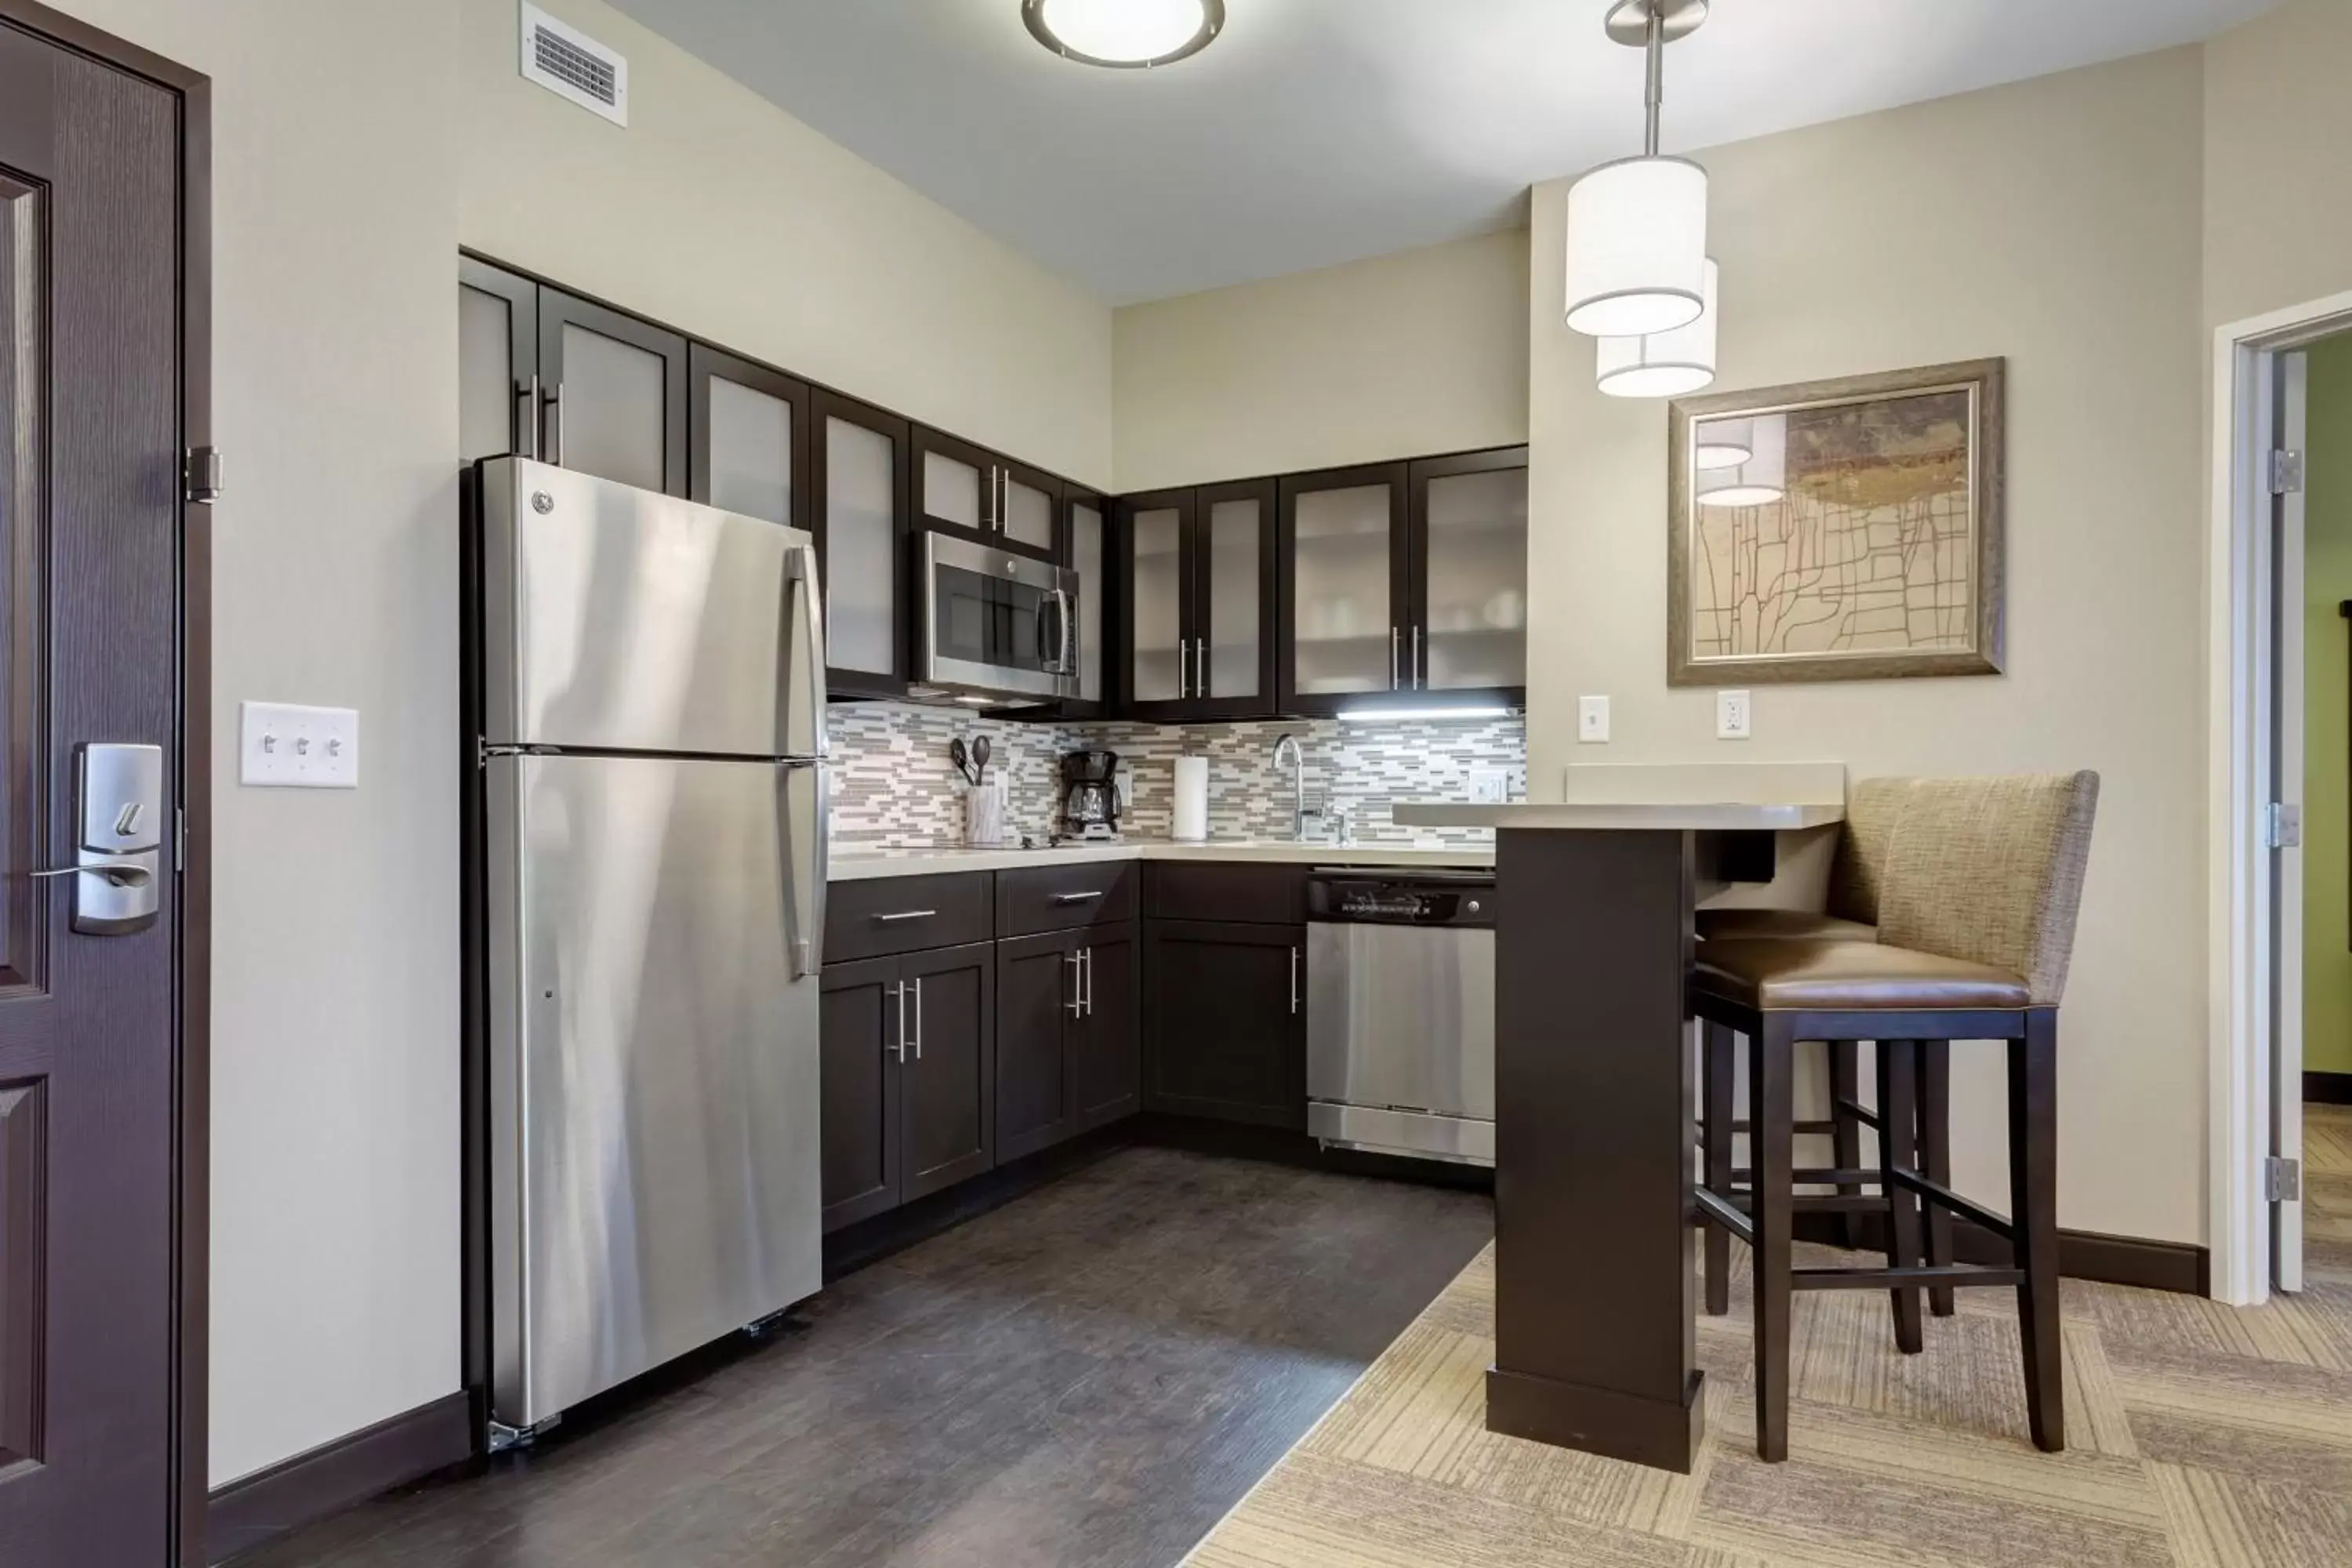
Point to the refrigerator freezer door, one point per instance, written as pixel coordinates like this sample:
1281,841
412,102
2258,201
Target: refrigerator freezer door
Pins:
618,620
654,1069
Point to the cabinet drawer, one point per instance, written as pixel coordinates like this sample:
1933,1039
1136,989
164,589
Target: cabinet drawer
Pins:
1237,893
1064,897
879,915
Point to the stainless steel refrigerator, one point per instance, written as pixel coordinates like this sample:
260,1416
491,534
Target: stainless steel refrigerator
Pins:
654,827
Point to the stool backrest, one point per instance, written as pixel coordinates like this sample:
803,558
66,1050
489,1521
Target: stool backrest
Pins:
1872,808
1990,870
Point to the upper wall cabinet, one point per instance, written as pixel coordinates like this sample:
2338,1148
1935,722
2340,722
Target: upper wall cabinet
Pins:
1086,525
1405,580
568,381
986,497
1198,581
747,437
859,461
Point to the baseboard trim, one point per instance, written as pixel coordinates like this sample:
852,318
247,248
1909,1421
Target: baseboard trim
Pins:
2327,1088
333,1476
2173,1266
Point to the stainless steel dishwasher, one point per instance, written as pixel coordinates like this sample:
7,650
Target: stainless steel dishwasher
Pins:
1400,1013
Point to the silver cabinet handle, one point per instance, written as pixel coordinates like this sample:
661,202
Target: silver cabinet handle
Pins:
1393,659
1077,898
1416,658
905,915
1078,1001
555,425
1090,981
1183,667
1200,667
1294,982
919,1018
900,991
121,873
528,424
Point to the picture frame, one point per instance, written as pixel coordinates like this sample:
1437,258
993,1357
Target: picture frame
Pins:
1861,537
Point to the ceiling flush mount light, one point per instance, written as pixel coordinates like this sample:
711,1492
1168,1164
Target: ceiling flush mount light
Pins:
1637,228
1125,34
1664,364
1761,479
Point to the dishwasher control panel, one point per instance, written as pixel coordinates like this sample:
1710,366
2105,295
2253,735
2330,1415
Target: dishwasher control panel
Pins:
1402,901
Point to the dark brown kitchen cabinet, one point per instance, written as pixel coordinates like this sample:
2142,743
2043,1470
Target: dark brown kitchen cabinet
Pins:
860,512
1066,1032
1198,606
986,497
1087,526
550,376
1405,585
1225,1022
907,1084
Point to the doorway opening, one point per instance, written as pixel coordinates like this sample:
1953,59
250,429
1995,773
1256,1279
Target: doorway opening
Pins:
2281,666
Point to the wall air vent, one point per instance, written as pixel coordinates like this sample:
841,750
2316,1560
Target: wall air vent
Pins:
569,63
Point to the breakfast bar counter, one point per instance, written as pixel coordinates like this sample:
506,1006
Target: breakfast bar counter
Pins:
1594,1319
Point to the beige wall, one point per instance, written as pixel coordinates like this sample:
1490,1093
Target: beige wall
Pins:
2278,227
717,213
2057,223
1424,350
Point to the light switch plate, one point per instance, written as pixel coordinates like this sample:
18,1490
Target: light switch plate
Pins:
1591,719
1734,716
282,745
1489,786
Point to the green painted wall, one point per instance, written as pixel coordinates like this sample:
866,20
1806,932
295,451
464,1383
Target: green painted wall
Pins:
2327,697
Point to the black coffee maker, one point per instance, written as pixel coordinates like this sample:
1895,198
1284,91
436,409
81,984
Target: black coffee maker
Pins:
1090,803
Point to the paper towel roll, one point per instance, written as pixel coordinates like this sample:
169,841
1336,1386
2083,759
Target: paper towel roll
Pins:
1192,799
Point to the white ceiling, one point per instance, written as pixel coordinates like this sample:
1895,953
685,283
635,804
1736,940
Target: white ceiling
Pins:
1317,131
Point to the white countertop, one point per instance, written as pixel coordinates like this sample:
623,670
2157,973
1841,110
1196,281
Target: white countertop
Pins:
1700,816
852,863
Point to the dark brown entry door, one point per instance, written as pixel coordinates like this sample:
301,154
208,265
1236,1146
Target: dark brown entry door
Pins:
89,523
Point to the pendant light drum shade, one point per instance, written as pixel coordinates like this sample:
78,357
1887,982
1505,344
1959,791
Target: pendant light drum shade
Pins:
1723,443
1762,479
1637,247
1663,364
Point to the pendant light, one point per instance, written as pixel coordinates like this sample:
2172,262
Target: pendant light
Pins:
1637,228
1761,479
1663,364
1125,34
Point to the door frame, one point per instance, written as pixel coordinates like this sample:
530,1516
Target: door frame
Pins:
192,1156
2250,743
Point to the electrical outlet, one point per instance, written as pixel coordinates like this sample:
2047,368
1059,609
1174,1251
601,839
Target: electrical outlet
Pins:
1591,719
1733,716
288,746
1489,786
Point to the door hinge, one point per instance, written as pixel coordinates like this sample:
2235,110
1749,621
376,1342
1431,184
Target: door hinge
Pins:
2282,826
2281,1181
200,470
2287,472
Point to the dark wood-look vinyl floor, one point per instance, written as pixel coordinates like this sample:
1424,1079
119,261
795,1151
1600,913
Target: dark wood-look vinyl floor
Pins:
1092,1374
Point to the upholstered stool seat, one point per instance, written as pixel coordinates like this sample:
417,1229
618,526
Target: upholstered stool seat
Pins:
1781,925
1837,976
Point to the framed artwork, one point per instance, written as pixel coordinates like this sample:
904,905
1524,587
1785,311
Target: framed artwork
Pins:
1843,529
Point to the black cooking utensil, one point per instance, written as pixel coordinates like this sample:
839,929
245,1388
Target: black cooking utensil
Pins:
962,761
980,758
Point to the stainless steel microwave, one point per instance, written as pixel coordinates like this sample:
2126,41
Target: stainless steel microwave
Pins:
998,624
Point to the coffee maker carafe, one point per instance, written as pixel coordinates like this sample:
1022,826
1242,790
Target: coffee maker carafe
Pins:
1090,803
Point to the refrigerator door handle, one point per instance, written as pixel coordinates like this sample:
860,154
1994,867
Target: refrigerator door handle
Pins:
809,864
802,568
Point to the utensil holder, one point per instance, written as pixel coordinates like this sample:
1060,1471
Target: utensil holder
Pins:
984,814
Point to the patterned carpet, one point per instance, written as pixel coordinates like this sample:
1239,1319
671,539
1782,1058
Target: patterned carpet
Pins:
2200,1437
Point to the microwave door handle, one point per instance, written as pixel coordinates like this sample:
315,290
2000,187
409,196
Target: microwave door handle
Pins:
1068,662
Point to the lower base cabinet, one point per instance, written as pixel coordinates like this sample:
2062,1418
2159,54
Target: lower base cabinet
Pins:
1225,1022
1067,1056
907,1081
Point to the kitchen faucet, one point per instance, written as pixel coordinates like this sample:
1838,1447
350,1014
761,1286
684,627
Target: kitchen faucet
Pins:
1288,746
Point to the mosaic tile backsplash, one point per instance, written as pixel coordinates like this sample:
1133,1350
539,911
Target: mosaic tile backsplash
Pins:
894,785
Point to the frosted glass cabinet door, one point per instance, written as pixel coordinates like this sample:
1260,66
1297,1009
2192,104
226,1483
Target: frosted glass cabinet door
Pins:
1028,510
497,351
1475,623
1233,614
1160,671
616,394
1346,535
1090,558
858,453
748,446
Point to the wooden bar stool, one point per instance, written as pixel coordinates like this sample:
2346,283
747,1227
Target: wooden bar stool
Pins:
1851,914
1976,928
